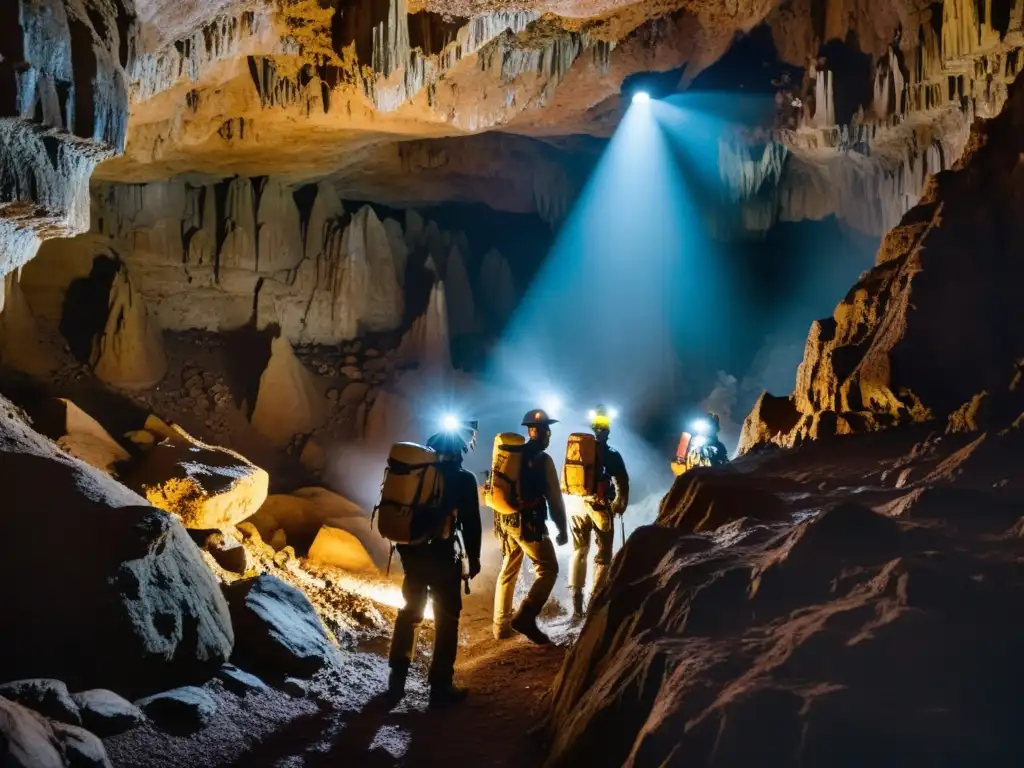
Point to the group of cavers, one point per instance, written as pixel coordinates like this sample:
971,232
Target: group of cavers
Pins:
430,510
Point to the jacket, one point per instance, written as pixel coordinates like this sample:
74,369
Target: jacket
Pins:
539,480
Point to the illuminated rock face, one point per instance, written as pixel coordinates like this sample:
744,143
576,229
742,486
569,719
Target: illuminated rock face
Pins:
936,321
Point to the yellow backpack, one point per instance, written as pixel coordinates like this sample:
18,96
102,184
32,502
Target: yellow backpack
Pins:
409,510
580,470
504,494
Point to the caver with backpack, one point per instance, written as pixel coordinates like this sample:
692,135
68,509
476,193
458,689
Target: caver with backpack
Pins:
594,471
427,500
522,490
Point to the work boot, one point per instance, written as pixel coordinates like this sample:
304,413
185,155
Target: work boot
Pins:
396,684
447,695
525,623
577,606
503,631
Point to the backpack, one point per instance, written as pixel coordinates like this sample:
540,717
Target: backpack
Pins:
582,470
409,510
504,495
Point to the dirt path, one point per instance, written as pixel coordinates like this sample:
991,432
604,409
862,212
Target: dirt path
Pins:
508,682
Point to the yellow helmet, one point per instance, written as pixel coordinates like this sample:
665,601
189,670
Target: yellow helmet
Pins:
600,418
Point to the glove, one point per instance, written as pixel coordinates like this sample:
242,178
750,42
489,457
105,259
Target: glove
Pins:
474,569
562,539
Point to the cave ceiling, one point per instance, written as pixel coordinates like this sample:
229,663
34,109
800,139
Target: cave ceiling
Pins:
409,102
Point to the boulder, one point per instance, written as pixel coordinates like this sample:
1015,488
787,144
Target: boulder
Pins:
81,748
228,552
129,352
204,485
278,631
107,714
182,710
288,401
301,513
26,739
86,439
95,563
341,549
47,697
239,682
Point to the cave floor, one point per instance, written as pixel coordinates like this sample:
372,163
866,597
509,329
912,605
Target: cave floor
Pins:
498,725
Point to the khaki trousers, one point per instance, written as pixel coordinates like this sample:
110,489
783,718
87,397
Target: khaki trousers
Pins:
545,565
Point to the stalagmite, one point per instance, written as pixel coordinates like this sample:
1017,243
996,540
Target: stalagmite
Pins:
399,250
326,207
288,401
371,269
426,343
277,223
238,249
129,353
498,290
461,307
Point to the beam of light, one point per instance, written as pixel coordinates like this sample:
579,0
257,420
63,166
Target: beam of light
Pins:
551,403
701,426
450,422
641,97
596,323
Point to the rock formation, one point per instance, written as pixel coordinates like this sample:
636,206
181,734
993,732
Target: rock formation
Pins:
85,438
427,343
461,310
204,485
141,605
800,610
279,632
288,401
129,353
21,345
933,323
497,287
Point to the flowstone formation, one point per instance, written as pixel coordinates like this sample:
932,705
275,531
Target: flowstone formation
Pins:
931,332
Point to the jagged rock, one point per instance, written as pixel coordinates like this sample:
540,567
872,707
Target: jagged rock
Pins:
81,748
288,401
928,327
278,631
107,714
181,709
770,419
47,697
414,227
142,606
970,416
26,739
21,346
204,485
240,682
129,352
338,547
